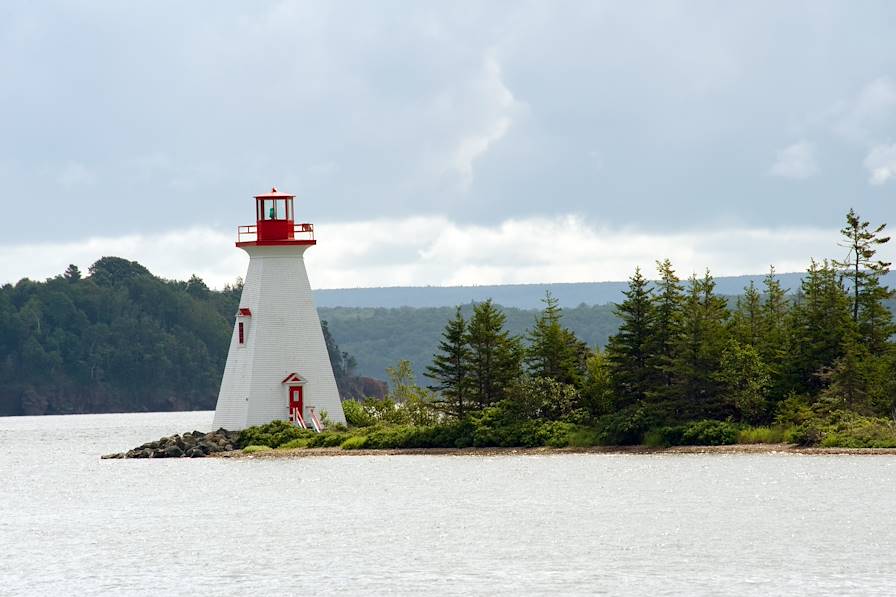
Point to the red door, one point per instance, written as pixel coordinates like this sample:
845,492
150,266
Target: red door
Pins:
295,401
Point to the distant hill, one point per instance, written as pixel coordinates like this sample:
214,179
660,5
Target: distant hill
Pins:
519,296
379,337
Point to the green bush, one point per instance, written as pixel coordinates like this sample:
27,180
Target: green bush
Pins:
709,433
273,434
627,427
849,430
698,433
254,448
293,444
356,415
354,443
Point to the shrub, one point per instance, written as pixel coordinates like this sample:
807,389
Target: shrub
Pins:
708,433
354,443
809,433
849,430
273,434
356,415
627,427
794,410
293,444
254,448
584,437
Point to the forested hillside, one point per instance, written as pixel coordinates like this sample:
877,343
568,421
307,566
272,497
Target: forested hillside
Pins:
379,338
119,340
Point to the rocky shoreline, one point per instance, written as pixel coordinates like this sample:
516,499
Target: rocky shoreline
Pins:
192,444
734,449
223,444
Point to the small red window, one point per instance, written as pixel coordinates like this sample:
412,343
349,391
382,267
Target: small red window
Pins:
241,333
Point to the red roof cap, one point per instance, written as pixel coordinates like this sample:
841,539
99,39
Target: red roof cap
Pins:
274,194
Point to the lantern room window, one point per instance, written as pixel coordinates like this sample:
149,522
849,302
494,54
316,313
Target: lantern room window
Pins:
274,209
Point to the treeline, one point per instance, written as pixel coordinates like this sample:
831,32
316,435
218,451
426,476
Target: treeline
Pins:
814,366
121,340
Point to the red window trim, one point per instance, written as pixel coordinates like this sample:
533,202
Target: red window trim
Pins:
242,333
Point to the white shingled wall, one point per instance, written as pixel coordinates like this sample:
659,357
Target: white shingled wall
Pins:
282,336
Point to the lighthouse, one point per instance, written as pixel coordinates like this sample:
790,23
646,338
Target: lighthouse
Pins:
278,366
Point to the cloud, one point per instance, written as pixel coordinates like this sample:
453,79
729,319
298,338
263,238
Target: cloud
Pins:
870,111
881,163
498,106
796,161
434,250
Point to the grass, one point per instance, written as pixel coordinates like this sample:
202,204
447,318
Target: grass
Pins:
255,448
354,443
763,435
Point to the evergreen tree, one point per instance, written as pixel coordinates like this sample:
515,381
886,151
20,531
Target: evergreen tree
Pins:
747,323
849,379
449,369
820,322
668,300
72,273
775,320
875,323
860,266
554,351
699,352
495,355
629,350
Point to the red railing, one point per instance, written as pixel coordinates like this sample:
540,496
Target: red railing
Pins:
246,234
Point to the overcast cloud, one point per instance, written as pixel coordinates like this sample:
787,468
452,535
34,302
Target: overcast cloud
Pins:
445,143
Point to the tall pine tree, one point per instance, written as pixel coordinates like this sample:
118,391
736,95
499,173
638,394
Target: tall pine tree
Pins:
449,369
699,353
554,351
629,350
495,355
668,299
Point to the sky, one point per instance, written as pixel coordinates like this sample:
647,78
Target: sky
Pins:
445,143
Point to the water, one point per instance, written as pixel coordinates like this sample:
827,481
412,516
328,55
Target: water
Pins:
71,523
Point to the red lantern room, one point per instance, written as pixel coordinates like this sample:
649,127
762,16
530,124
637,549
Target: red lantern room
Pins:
275,223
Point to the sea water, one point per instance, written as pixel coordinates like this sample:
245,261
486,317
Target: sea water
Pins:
772,524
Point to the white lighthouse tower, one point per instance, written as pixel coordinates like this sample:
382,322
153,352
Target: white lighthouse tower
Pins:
278,366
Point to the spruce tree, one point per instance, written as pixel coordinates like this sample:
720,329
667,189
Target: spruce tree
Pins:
860,266
449,369
554,351
821,321
699,353
775,337
747,320
629,350
495,355
666,330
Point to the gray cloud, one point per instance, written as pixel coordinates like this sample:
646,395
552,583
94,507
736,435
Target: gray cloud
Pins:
150,117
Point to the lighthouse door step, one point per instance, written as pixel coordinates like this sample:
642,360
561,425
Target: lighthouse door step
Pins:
311,422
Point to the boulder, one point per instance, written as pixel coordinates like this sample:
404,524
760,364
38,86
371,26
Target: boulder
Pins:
196,453
173,451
